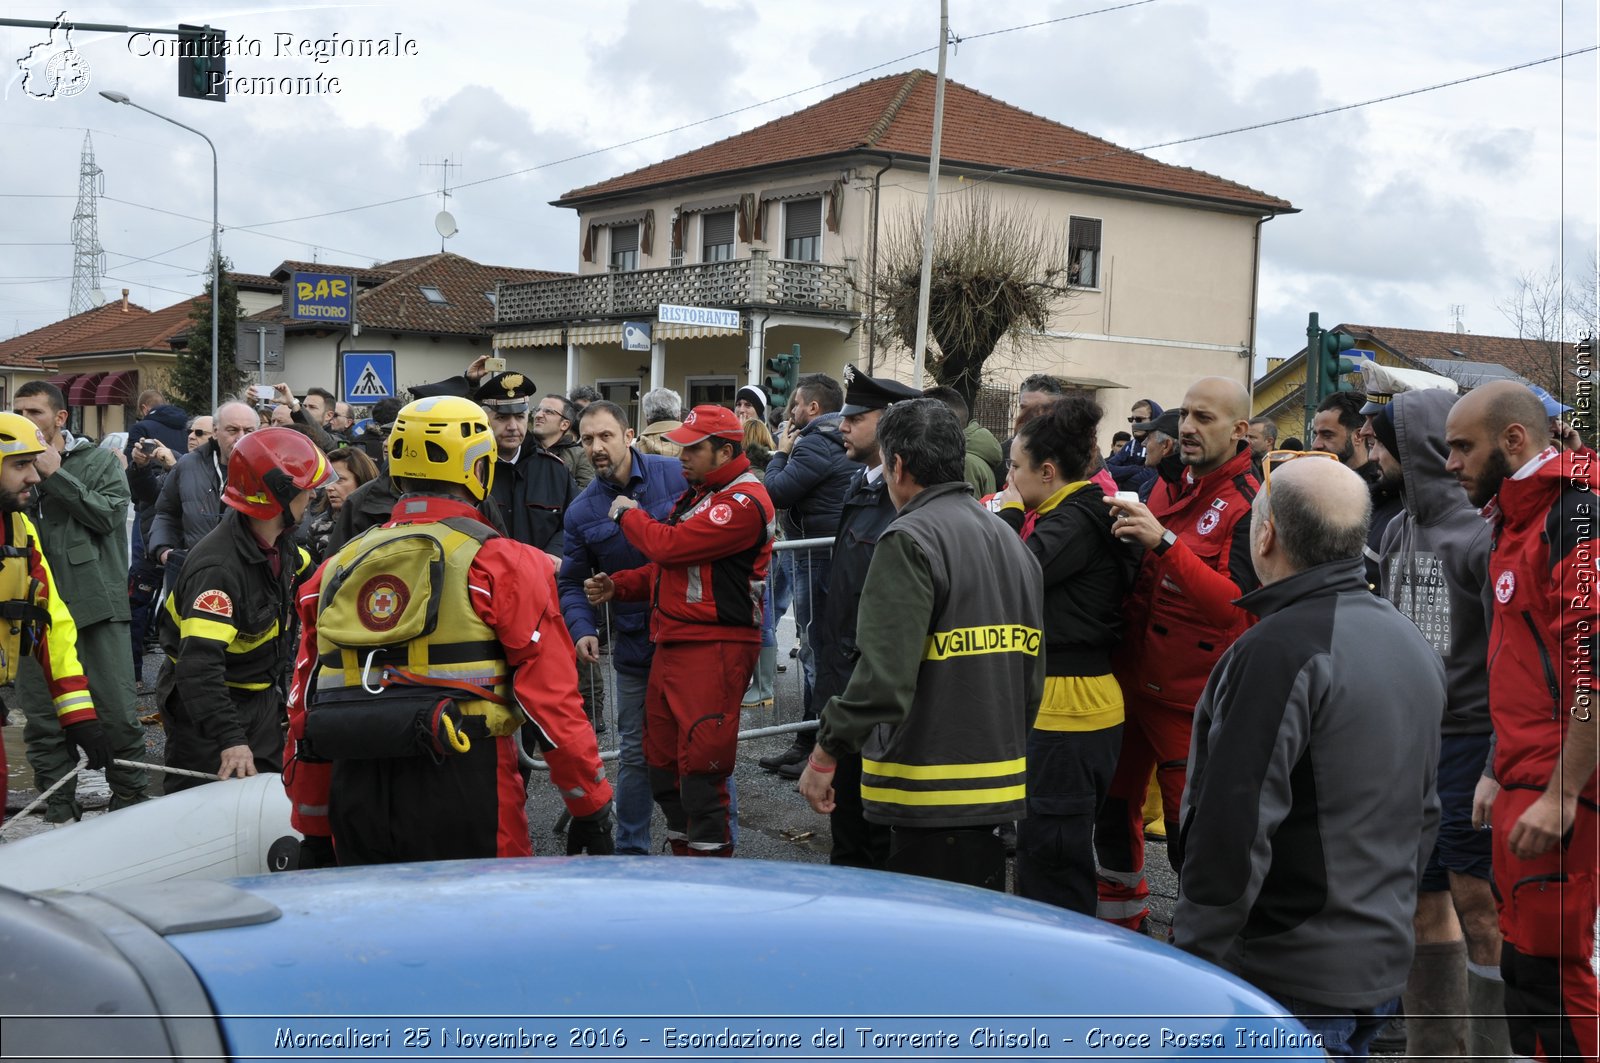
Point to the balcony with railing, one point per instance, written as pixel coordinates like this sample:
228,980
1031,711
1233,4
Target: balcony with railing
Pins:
757,281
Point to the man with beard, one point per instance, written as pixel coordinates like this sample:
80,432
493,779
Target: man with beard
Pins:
595,544
40,624
1435,565
1543,798
1339,428
79,512
1181,617
864,514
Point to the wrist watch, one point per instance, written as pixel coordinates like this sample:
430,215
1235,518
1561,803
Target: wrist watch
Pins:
1165,544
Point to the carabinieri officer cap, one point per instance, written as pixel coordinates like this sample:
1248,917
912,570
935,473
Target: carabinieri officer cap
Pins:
863,392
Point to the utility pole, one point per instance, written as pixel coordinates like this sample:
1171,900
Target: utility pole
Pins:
88,257
920,355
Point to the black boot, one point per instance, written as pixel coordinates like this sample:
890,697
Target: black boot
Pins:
796,754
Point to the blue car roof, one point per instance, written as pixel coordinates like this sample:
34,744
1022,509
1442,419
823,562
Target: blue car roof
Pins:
611,937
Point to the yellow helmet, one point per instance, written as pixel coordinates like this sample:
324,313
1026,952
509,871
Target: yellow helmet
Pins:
18,435
443,438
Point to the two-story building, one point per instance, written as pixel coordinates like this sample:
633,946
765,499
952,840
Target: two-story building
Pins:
782,224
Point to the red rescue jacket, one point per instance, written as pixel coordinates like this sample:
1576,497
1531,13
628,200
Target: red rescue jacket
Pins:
1544,566
708,561
1181,615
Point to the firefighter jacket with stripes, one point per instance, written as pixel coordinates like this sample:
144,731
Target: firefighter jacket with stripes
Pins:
34,619
498,626
951,667
1545,617
1181,611
708,562
227,623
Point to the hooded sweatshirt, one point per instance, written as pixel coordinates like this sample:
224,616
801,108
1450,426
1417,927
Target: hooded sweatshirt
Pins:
1435,558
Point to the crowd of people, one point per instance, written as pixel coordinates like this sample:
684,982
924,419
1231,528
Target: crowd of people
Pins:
1353,694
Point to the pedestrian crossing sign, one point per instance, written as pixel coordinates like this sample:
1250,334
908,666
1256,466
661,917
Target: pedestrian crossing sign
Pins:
368,376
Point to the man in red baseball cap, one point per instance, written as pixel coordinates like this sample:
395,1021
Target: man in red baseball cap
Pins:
706,580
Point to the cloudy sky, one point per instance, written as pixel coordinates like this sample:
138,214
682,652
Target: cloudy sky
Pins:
1410,208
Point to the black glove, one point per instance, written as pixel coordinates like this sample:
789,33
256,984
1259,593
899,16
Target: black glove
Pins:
592,834
316,851
87,736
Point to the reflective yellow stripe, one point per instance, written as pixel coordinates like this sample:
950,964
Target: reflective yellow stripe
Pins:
992,795
198,627
988,770
76,701
242,644
248,686
973,641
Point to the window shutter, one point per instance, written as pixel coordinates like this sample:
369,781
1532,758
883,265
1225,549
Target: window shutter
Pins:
802,218
624,238
1083,234
718,228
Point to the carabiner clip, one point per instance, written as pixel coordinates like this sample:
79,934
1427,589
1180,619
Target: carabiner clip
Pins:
366,667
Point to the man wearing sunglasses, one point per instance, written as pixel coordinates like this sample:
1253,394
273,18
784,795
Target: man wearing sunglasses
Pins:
1311,805
1181,617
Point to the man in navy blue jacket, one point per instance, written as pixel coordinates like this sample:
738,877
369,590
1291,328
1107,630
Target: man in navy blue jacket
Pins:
594,543
807,479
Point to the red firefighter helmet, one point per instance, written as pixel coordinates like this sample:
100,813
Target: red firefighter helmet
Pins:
270,467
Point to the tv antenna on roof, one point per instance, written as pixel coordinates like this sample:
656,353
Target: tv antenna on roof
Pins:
444,223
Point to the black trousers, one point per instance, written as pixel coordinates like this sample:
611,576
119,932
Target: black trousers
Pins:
1069,773
856,842
972,856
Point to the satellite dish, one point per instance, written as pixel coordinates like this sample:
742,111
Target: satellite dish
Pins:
445,224
97,297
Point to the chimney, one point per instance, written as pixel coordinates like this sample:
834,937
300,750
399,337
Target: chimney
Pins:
124,300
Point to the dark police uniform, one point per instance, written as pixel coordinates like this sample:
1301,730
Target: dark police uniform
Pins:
865,513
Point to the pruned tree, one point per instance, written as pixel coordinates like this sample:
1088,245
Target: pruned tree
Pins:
1550,312
189,380
998,275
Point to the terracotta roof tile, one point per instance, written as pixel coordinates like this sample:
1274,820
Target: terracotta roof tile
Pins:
32,350
895,114
395,301
152,332
258,281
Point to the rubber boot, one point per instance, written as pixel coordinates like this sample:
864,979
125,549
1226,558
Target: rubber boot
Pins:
759,696
1488,1037
1436,1002
1155,825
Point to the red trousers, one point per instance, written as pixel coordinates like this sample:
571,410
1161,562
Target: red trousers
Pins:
1154,736
1547,912
691,737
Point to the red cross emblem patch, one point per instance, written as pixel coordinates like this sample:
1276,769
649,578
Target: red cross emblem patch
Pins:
381,602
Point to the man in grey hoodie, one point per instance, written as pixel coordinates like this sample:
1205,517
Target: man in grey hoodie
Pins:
1434,568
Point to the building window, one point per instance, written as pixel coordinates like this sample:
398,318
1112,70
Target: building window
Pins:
802,230
710,390
624,393
430,293
625,247
1083,252
716,237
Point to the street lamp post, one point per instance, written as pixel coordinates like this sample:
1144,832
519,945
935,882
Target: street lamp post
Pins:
216,258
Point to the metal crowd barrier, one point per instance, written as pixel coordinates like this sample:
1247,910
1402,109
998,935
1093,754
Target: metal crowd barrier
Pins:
786,696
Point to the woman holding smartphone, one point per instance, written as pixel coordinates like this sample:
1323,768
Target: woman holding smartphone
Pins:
1062,516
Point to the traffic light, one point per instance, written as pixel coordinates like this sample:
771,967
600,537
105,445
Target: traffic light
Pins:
782,379
202,63
1326,364
1331,367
